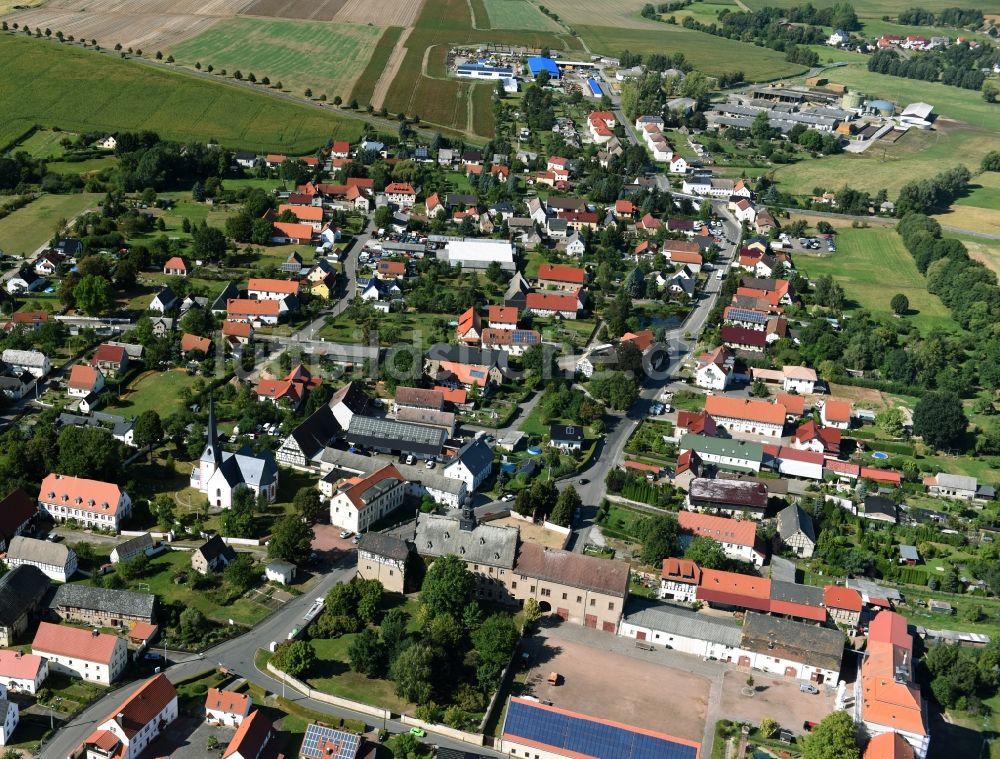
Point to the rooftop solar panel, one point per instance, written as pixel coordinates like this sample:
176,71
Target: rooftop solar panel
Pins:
319,737
583,735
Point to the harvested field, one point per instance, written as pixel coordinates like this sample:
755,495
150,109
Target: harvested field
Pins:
380,12
325,57
365,84
324,10
390,71
985,251
623,14
141,24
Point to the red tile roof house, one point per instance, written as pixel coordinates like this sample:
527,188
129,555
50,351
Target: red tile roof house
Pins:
84,380
836,413
237,332
401,194
812,437
308,215
176,267
292,233
22,673
561,277
503,317
340,149
132,727
110,359
737,538
470,328
255,312
255,739
226,707
195,344
390,269
566,305
79,652
92,502
272,289
293,388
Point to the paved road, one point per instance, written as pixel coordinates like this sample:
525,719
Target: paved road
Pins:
237,655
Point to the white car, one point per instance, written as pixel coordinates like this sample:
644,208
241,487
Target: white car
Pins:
431,464
345,534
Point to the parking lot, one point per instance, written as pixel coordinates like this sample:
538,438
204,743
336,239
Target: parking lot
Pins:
328,544
775,697
617,687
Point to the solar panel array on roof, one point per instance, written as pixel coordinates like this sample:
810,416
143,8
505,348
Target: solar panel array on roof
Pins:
318,738
746,315
588,737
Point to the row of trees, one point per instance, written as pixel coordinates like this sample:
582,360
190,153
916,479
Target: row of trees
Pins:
956,17
927,67
924,195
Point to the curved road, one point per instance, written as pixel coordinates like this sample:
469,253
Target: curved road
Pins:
237,655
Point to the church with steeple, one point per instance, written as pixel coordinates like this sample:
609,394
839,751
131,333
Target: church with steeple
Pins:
218,473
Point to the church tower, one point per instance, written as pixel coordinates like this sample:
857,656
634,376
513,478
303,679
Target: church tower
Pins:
211,457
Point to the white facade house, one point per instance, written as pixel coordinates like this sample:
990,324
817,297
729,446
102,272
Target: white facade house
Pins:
226,707
358,502
799,379
9,717
689,632
55,560
134,725
35,363
472,464
22,673
92,503
747,416
715,369
92,656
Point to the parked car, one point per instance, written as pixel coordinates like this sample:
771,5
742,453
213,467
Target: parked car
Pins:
345,534
809,688
418,732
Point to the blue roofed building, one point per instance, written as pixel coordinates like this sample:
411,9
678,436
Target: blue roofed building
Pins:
537,64
595,88
532,728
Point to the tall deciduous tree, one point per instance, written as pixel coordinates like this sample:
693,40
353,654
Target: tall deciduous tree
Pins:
940,420
447,586
291,539
833,738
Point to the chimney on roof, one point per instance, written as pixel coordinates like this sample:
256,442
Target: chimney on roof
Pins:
119,717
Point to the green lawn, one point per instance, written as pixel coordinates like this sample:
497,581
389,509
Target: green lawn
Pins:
159,580
409,328
89,166
872,265
985,191
159,391
32,226
49,84
518,14
324,57
710,54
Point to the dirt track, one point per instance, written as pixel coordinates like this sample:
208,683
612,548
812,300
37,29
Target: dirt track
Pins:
391,69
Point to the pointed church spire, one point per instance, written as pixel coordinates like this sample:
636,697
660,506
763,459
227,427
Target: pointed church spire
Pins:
211,452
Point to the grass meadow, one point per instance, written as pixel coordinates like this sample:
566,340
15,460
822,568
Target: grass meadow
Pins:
517,14
46,84
872,265
878,8
32,226
713,55
917,155
324,57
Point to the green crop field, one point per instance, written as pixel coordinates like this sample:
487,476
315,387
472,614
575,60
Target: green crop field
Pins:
364,85
713,55
51,85
517,14
28,228
872,265
324,57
